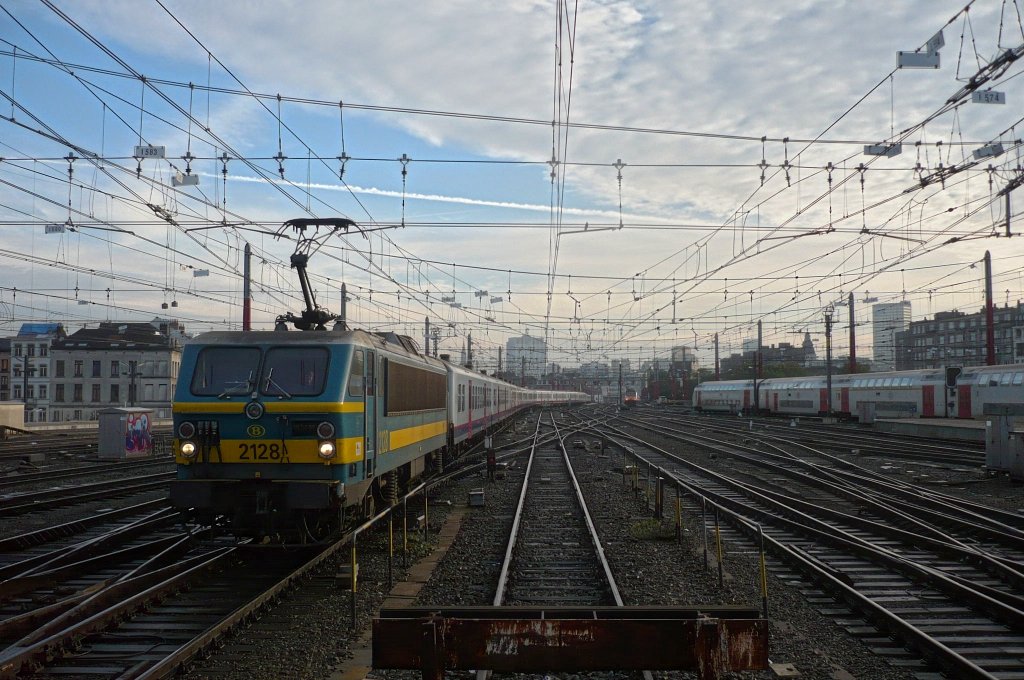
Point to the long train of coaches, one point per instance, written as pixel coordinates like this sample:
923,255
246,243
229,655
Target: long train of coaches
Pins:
277,430
950,392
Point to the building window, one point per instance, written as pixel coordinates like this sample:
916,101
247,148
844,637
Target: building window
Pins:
115,369
95,394
42,391
44,371
17,350
115,393
78,412
96,368
58,392
132,393
78,368
77,396
30,392
60,368
43,351
31,350
16,392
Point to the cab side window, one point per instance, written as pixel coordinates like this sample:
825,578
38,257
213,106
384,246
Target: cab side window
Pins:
355,375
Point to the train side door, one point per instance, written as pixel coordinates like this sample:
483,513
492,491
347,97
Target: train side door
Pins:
370,411
775,402
928,400
963,401
844,399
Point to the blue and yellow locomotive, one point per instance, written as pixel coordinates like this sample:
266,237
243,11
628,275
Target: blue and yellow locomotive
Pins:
275,429
279,432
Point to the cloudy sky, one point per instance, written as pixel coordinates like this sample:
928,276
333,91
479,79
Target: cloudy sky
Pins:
530,132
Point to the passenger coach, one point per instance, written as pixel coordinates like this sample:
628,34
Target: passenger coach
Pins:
951,392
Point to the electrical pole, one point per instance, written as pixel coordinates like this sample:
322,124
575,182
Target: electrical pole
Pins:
853,339
24,378
522,371
342,317
620,382
757,368
717,373
426,337
499,359
990,331
828,363
247,290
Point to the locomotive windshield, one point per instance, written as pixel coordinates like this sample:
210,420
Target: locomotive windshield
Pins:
222,371
294,371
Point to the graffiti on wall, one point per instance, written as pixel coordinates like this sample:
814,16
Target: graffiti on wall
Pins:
137,436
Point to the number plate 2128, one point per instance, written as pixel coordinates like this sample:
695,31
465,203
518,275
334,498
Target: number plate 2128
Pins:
260,451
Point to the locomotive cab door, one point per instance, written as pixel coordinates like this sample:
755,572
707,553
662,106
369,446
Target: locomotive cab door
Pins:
370,412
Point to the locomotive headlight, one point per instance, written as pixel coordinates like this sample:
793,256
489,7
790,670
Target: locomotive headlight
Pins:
325,430
188,449
254,410
326,450
187,430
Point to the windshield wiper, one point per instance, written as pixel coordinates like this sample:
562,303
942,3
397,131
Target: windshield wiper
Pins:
270,381
234,389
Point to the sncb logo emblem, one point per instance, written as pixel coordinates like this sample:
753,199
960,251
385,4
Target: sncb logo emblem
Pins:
256,430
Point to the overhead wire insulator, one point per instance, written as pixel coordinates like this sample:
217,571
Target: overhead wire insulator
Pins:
786,164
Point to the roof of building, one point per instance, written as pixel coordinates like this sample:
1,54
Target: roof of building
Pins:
121,336
41,329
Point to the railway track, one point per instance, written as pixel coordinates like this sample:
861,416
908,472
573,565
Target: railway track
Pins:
554,556
32,501
842,438
30,446
952,595
44,477
819,470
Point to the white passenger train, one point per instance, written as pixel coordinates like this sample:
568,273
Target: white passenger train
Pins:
952,392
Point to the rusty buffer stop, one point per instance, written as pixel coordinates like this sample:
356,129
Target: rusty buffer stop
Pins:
711,641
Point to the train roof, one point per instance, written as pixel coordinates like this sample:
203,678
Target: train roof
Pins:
390,341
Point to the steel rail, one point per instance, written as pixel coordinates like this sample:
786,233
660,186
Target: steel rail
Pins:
58,497
21,479
595,539
927,645
973,517
57,531
95,612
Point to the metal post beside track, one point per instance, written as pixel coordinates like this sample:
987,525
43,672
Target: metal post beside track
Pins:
718,542
764,572
355,577
659,498
679,515
391,549
426,513
704,528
